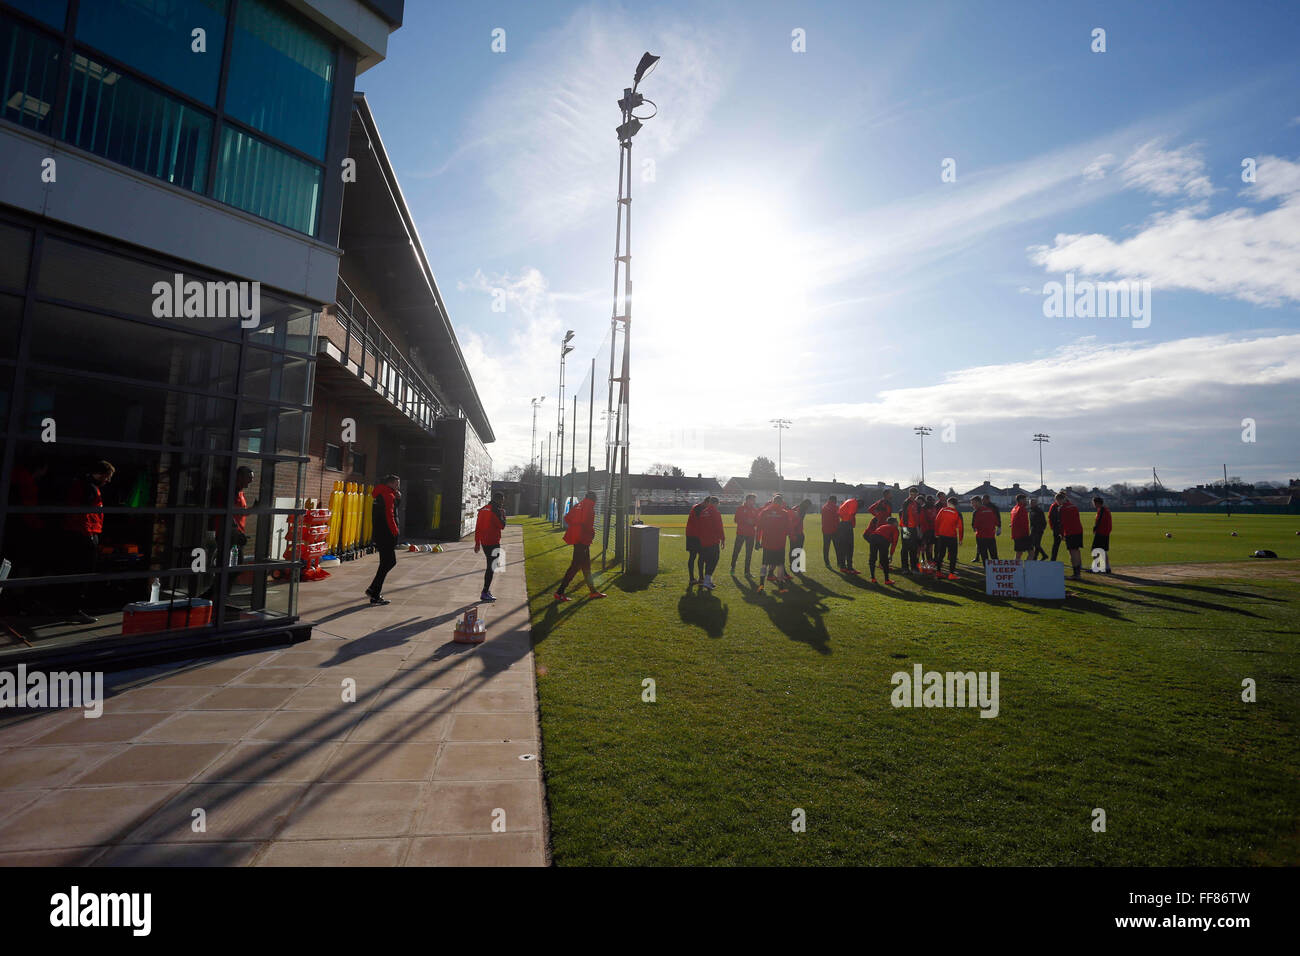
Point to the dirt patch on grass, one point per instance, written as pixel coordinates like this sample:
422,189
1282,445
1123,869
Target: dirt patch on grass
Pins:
1287,569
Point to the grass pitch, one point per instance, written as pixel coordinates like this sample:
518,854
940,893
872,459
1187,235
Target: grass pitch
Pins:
1124,698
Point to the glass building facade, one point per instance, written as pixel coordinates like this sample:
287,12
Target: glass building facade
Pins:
227,98
204,423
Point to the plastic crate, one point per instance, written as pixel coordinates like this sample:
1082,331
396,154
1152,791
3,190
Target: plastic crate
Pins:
144,617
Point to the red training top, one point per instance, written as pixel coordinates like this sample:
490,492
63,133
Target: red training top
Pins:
487,531
1102,524
1019,522
746,520
849,511
926,522
86,492
386,498
581,521
709,527
890,533
948,523
830,518
985,523
1070,522
773,526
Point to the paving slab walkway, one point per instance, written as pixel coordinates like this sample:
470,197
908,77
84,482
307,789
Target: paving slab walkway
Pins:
257,759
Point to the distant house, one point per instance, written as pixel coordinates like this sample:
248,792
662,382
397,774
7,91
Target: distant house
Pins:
735,490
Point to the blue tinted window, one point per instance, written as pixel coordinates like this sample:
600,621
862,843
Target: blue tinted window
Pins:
29,74
281,76
267,182
129,122
156,38
53,12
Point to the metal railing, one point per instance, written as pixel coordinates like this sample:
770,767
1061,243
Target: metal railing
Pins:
377,360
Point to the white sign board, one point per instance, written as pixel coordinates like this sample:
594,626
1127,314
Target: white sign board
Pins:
1028,579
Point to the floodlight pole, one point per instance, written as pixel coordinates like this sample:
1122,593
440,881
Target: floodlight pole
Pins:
565,349
780,424
1041,439
922,431
617,442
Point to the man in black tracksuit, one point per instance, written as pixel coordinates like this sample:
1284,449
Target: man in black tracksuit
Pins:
1037,525
386,529
1054,522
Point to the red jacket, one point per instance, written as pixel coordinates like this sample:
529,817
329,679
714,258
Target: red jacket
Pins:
985,523
1019,522
1070,522
581,521
693,521
746,520
86,492
773,527
709,527
796,523
890,534
948,523
910,513
830,518
926,522
487,531
849,511
385,512
1102,524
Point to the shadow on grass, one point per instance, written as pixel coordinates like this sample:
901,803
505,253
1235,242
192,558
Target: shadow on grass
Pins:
703,610
797,614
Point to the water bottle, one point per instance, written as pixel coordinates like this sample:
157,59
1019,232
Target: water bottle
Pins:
154,590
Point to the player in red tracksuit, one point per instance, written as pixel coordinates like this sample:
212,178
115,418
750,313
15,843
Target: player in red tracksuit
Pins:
487,536
1020,535
985,525
383,514
879,511
928,511
773,529
830,522
1071,531
712,537
848,514
746,527
949,530
882,542
910,525
1101,533
581,531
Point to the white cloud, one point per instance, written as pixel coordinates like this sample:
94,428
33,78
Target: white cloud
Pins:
1118,379
1096,169
1240,253
545,132
1167,172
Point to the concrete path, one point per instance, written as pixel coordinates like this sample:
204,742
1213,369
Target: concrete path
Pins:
255,759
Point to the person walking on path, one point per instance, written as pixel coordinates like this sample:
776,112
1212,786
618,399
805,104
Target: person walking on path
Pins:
387,497
581,531
487,535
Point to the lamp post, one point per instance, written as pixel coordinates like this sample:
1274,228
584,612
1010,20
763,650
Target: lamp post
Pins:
922,431
532,450
1041,440
780,424
565,349
618,443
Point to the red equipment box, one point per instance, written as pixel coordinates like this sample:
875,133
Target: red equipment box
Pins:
145,617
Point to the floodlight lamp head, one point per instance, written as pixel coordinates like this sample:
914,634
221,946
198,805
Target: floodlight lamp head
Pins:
568,335
644,68
566,350
628,130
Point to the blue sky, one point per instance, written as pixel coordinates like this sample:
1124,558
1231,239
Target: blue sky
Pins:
798,254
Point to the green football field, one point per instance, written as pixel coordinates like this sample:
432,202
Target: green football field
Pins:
775,710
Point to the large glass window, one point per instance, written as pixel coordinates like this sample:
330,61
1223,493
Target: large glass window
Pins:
15,254
29,75
53,12
281,76
125,120
156,37
267,181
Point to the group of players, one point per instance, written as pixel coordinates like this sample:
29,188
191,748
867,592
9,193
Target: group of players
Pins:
927,527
